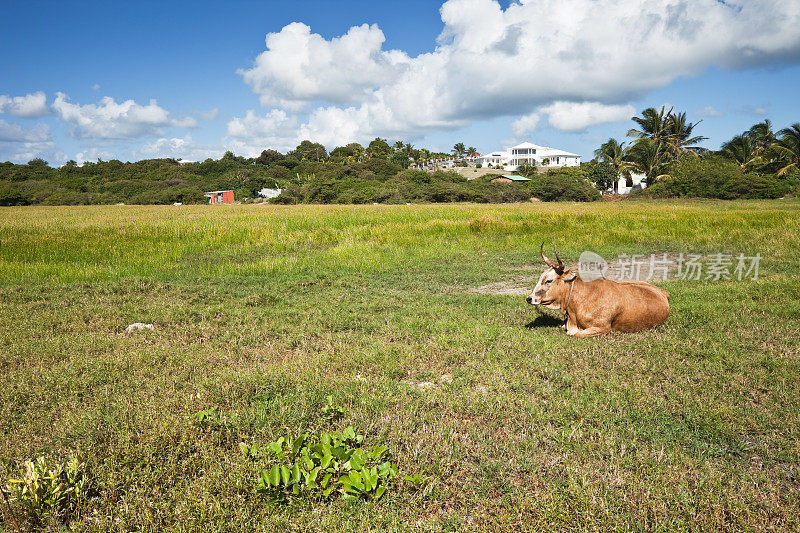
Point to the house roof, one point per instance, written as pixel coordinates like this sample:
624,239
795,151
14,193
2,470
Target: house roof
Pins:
515,177
553,151
527,145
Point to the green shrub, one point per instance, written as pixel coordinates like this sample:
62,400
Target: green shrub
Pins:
324,466
563,184
716,177
10,195
44,492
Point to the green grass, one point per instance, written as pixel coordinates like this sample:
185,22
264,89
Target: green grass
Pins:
263,311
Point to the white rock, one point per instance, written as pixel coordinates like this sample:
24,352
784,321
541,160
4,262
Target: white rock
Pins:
138,326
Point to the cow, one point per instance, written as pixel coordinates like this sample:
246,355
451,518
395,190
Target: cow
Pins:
599,306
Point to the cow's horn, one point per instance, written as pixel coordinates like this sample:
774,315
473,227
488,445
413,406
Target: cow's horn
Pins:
560,262
546,260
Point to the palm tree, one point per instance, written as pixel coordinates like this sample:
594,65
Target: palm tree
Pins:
615,154
472,151
742,149
679,137
459,149
424,156
650,158
762,136
653,124
398,146
788,149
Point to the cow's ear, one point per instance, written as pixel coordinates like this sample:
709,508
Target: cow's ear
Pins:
570,274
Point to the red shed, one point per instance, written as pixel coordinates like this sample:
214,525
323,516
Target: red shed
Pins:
219,197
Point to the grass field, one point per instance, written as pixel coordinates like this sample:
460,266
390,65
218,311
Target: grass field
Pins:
263,311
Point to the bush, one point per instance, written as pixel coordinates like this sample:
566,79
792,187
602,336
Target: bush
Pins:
716,177
563,184
326,465
10,195
44,492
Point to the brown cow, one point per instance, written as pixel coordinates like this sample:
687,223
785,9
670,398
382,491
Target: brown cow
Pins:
599,306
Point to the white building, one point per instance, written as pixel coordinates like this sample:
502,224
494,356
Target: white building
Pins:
532,154
269,193
638,181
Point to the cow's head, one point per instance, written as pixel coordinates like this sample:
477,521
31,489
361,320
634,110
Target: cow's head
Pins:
553,287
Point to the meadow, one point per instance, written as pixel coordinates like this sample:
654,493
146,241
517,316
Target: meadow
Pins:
412,318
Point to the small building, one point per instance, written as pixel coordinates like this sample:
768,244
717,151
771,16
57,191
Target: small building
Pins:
219,197
636,182
510,178
269,193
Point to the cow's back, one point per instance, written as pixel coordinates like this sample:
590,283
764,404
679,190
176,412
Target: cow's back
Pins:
642,306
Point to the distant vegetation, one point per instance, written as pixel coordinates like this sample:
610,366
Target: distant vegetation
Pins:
759,163
349,174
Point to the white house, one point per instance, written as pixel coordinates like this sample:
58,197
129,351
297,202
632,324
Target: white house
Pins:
637,182
269,193
532,154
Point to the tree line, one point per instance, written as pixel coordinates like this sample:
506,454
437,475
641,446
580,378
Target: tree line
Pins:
758,163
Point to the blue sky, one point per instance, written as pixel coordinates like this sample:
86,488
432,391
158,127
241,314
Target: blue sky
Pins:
78,81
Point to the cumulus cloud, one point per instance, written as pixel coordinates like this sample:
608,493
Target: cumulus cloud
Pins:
179,148
30,105
19,144
11,132
535,57
93,154
253,133
112,120
300,67
572,116
525,123
577,116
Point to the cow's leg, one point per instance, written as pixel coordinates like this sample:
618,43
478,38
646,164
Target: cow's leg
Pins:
571,326
593,331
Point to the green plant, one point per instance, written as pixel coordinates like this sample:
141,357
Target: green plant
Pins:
324,466
331,412
46,491
212,419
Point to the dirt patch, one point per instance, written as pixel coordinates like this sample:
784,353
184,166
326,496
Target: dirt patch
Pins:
505,288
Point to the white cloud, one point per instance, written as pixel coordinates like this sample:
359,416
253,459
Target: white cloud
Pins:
30,105
252,134
709,111
525,123
300,67
93,154
524,60
179,148
577,116
112,120
20,145
10,132
96,87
